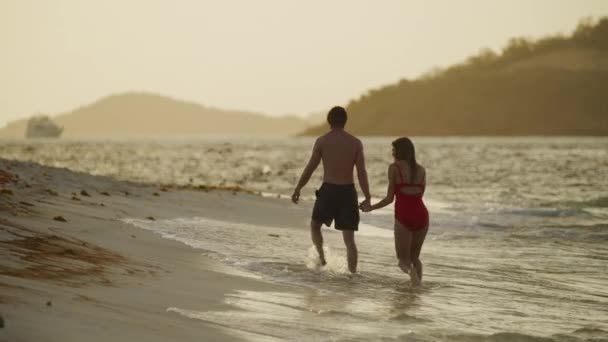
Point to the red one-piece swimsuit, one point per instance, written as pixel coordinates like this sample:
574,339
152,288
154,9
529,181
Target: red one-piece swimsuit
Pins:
410,210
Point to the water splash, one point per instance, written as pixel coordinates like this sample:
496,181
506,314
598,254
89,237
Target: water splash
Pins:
336,264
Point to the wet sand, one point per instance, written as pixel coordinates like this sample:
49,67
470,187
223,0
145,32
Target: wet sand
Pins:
70,270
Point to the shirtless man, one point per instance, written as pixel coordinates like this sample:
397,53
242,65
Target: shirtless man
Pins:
337,197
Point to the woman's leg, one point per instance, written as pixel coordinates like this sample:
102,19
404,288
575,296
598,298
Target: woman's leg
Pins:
418,237
403,241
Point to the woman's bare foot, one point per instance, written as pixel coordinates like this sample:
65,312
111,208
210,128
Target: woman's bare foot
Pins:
404,267
414,278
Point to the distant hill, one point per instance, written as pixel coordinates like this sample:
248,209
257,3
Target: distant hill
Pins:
151,115
553,86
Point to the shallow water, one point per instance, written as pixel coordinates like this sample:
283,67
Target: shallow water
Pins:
485,172
517,249
479,284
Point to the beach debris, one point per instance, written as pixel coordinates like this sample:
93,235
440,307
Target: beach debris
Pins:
51,192
105,193
74,198
164,189
55,258
101,204
6,192
84,193
156,194
26,203
60,219
133,236
49,303
7,177
151,218
274,235
127,193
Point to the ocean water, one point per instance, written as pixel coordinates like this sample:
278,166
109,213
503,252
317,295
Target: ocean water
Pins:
517,248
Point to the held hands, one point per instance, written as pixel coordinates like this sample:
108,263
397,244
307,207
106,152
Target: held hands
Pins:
365,206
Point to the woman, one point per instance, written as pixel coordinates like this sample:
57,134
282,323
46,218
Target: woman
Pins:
406,182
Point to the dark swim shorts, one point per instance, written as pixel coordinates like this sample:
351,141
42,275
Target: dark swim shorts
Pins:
337,202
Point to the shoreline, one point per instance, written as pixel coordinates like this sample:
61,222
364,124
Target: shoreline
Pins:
74,271
251,277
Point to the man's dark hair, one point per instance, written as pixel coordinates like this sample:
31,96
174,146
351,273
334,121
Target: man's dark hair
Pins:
336,117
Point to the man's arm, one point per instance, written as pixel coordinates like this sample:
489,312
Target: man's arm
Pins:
362,172
314,161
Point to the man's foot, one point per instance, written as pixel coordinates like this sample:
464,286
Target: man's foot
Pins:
321,254
322,260
353,275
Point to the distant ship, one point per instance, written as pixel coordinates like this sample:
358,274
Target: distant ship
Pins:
42,126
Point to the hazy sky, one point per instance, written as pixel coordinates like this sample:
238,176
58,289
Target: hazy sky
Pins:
272,56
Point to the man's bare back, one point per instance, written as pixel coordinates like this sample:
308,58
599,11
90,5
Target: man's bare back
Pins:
338,151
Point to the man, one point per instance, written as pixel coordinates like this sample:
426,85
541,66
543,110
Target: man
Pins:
337,197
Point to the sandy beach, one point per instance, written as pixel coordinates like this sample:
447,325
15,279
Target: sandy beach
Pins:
72,271
160,163
119,256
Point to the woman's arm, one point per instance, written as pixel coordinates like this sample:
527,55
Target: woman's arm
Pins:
390,192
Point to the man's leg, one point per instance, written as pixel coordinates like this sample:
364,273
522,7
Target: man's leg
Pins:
317,239
351,249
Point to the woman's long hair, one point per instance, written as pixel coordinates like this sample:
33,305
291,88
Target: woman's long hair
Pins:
404,150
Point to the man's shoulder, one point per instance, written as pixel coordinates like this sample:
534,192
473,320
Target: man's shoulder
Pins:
329,137
320,141
354,139
321,138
